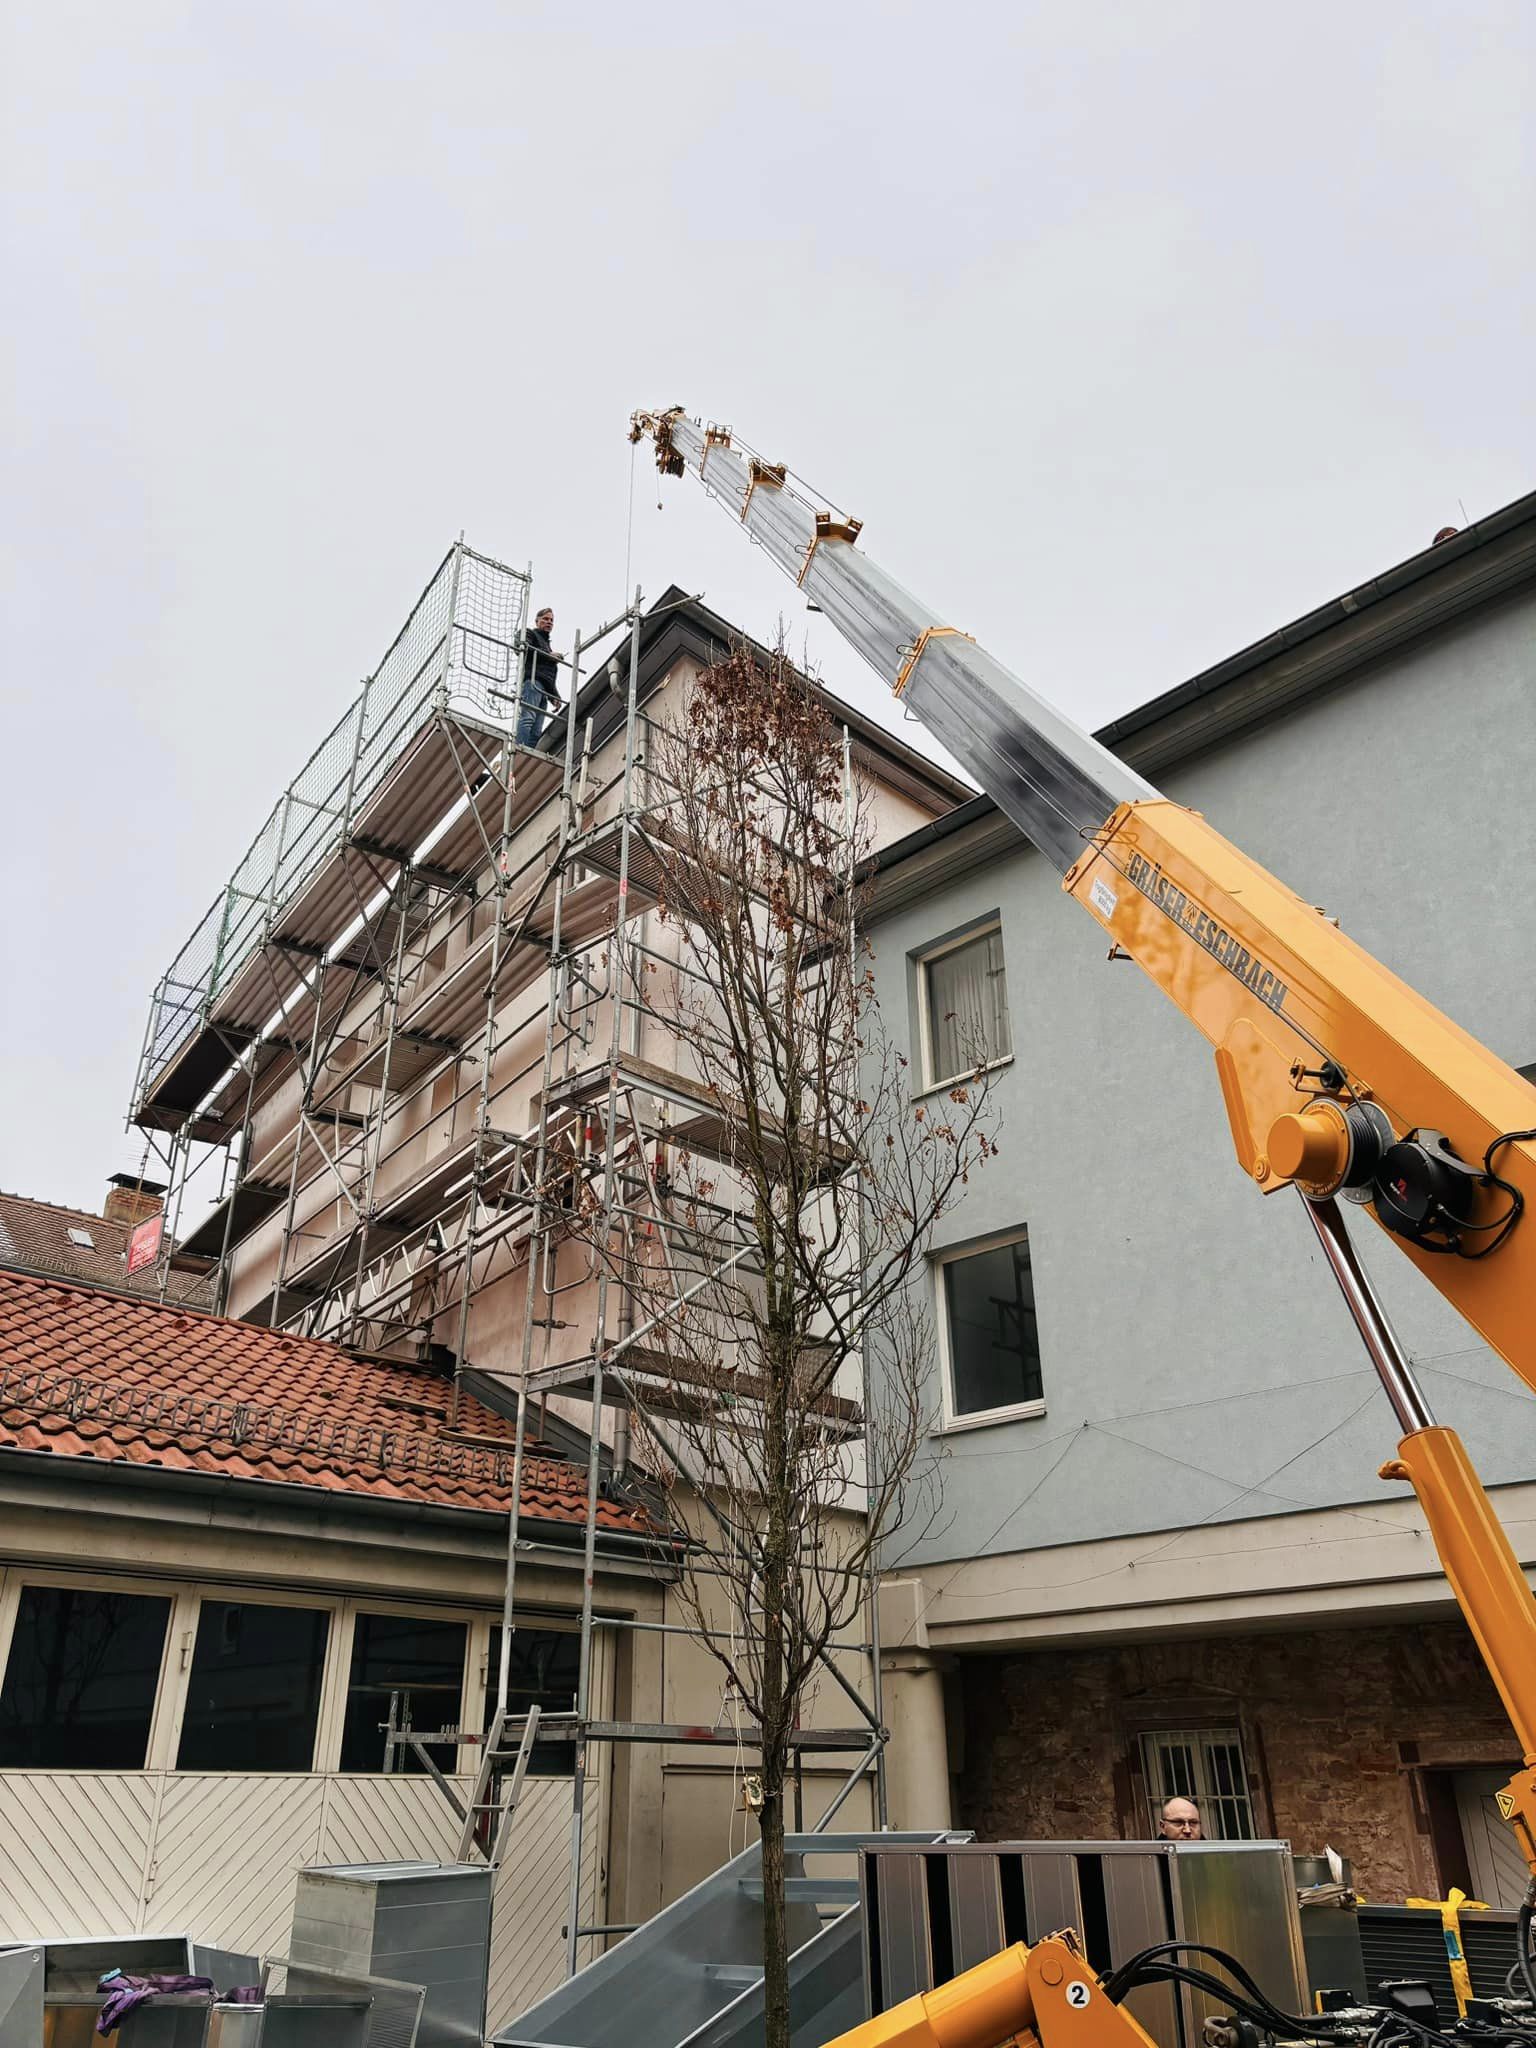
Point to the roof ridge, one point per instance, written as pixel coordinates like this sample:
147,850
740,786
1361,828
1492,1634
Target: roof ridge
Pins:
59,1208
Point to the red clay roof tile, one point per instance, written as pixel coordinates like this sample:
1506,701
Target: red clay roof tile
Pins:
91,1375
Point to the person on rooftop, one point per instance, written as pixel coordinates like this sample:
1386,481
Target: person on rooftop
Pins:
538,697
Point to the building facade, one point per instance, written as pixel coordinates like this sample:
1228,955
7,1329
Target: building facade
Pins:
405,1051
1165,1561
229,1559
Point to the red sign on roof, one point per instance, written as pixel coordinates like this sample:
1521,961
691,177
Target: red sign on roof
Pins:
144,1244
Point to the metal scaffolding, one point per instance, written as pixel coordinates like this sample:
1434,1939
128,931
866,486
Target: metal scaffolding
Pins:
350,989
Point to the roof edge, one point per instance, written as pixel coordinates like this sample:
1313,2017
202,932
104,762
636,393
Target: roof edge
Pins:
1486,561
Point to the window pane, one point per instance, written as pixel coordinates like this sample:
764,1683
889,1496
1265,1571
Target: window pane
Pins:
1228,1816
544,1673
421,1662
1176,1761
254,1696
80,1686
994,1348
1205,1765
967,995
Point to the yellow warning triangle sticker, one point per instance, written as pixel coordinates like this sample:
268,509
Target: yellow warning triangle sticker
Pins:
1507,1804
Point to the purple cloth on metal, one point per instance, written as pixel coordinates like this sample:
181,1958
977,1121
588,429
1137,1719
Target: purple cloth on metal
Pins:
124,1993
243,1994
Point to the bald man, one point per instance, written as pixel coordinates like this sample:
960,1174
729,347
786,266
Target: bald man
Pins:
1180,1822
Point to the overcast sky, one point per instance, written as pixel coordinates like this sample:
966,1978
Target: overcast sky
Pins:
1130,331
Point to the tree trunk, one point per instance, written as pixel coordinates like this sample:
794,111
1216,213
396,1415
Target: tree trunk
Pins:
775,1918
777,1711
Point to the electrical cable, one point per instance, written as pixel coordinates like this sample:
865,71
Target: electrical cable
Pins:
1516,1207
629,526
1156,1965
1158,1956
1523,1959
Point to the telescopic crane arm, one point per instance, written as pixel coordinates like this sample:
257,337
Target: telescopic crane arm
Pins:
1337,1077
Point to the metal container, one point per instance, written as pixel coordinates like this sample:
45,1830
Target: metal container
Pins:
420,1923
72,1969
931,1913
1330,1926
21,1996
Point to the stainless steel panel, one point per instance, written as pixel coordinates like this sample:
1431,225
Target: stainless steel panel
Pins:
975,1910
1137,1905
1240,1896
1051,1896
21,1997
656,1988
826,1994
292,2022
906,1958
226,1966
235,2026
167,2023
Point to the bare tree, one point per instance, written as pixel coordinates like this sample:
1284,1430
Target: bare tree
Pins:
784,1363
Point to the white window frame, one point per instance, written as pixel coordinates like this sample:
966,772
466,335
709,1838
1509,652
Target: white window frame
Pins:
952,1421
928,1080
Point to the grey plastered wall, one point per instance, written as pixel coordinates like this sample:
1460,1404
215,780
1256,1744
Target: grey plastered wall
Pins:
1197,1359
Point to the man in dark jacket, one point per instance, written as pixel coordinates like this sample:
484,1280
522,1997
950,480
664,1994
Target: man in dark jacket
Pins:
539,697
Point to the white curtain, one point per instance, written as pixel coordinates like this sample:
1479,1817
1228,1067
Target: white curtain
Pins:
968,1007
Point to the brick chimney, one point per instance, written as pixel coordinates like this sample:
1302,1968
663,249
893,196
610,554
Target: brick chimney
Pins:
130,1200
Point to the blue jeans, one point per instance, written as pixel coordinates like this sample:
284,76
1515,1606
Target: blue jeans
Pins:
531,714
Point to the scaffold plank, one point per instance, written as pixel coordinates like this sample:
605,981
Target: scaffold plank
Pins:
670,1386
699,1119
461,844
252,1202
192,1071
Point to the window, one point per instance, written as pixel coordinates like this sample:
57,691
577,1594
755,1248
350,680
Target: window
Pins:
417,1664
544,1673
1203,1764
83,1238
964,1007
991,1345
253,1698
80,1684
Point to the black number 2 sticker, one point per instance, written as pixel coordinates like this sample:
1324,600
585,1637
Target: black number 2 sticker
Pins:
1078,1993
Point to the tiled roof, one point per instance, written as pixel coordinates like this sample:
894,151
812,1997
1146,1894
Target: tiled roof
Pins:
110,1377
35,1235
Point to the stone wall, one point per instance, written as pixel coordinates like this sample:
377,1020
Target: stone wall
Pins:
1344,1733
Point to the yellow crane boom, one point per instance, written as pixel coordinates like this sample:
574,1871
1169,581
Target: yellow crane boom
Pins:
1338,1078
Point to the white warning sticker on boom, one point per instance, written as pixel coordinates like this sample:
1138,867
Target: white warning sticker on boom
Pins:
1102,897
